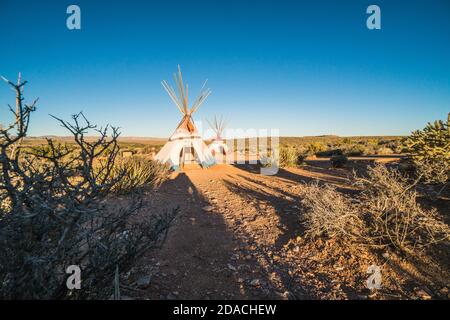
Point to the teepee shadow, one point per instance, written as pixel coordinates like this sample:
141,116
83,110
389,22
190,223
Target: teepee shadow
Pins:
197,260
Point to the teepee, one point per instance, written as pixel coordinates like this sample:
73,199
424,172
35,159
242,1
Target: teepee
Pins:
185,146
218,146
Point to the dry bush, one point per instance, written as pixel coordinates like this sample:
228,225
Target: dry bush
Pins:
433,171
389,201
386,213
355,150
57,211
330,213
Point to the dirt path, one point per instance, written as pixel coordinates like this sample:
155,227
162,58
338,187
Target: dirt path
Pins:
238,236
228,240
206,255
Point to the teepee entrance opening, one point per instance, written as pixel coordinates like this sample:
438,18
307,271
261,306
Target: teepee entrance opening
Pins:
219,151
189,155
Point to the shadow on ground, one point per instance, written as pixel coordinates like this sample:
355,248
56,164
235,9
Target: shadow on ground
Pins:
196,261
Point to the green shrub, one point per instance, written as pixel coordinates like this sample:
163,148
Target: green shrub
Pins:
315,147
138,173
430,152
290,157
355,150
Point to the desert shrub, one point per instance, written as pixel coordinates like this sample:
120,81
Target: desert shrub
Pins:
399,146
386,213
147,150
290,157
329,153
316,147
138,173
395,145
430,150
383,142
433,171
330,213
371,142
355,150
338,161
395,217
57,211
384,151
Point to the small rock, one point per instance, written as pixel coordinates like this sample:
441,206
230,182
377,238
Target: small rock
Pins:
143,282
422,294
171,296
208,208
255,282
386,255
231,267
175,293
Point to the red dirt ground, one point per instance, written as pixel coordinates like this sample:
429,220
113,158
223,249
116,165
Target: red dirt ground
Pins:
238,236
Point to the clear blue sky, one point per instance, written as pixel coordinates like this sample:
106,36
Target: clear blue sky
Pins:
305,67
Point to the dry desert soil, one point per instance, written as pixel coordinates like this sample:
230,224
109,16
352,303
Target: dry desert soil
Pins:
238,235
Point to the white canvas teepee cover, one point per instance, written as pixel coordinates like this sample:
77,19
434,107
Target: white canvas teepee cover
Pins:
218,146
185,145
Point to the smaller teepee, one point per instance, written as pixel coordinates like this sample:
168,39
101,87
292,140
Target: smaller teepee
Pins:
185,146
218,146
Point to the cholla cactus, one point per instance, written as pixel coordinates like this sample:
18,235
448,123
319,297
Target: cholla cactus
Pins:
430,151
